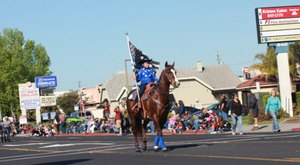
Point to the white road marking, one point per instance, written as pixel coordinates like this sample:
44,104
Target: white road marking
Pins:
74,144
27,144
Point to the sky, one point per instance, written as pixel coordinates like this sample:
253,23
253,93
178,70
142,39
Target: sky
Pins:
86,41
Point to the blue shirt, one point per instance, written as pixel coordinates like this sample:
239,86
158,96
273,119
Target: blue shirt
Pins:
273,104
146,75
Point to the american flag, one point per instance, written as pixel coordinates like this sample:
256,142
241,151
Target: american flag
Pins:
137,55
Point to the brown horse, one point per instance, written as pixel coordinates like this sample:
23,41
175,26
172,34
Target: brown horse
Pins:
155,107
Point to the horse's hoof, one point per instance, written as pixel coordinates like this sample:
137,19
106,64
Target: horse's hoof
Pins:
165,149
144,148
137,150
155,148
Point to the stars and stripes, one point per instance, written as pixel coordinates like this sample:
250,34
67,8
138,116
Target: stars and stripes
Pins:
137,55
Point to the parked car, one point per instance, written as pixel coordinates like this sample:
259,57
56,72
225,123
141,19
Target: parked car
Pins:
191,110
215,107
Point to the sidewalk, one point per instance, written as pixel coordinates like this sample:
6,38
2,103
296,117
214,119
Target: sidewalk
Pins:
289,125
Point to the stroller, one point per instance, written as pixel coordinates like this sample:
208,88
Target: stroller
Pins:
221,125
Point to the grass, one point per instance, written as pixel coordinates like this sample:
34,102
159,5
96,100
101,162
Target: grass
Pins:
246,120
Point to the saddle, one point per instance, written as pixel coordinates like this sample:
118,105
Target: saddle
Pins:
133,96
149,88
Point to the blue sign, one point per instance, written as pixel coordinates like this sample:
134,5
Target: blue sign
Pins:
45,81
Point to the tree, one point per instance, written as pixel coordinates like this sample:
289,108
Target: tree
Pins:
268,64
20,61
67,101
294,58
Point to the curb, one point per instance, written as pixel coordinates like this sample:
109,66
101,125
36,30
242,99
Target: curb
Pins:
296,130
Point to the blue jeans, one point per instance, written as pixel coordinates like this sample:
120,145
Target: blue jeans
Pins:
224,115
237,123
196,124
275,122
151,125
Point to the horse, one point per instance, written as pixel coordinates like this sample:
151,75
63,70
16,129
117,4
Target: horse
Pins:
155,108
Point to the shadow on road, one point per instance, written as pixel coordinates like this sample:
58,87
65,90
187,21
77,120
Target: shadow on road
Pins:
264,126
65,162
173,147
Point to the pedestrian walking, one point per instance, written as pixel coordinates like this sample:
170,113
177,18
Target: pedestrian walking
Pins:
224,107
253,106
272,107
236,115
7,129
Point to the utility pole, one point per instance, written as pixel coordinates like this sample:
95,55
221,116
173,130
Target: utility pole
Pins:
218,58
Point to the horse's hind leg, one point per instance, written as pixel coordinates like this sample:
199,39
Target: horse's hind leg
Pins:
135,133
144,138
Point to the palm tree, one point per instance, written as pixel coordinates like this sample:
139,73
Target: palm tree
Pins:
268,64
294,58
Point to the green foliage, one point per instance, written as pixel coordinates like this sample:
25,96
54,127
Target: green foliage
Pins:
298,98
20,61
294,57
283,114
265,99
296,110
268,64
67,101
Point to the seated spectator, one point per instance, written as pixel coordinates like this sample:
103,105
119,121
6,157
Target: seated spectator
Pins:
187,120
206,120
25,128
79,127
179,126
172,121
91,125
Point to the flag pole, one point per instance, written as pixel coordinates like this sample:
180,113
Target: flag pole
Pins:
132,64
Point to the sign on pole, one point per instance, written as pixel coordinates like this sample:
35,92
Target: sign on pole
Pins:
23,119
45,81
278,24
47,101
29,96
277,27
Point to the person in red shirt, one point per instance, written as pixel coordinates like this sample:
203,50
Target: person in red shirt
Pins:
106,110
118,118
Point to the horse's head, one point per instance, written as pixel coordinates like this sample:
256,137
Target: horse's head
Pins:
170,73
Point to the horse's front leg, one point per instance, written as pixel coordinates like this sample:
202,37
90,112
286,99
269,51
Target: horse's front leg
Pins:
159,139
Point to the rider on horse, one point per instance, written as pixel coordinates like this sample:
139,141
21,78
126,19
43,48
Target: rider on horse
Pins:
145,76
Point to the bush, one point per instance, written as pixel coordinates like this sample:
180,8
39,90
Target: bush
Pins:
296,110
283,114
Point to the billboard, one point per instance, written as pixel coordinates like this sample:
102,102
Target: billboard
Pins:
29,96
45,81
278,24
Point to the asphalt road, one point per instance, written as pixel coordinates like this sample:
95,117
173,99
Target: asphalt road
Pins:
248,149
